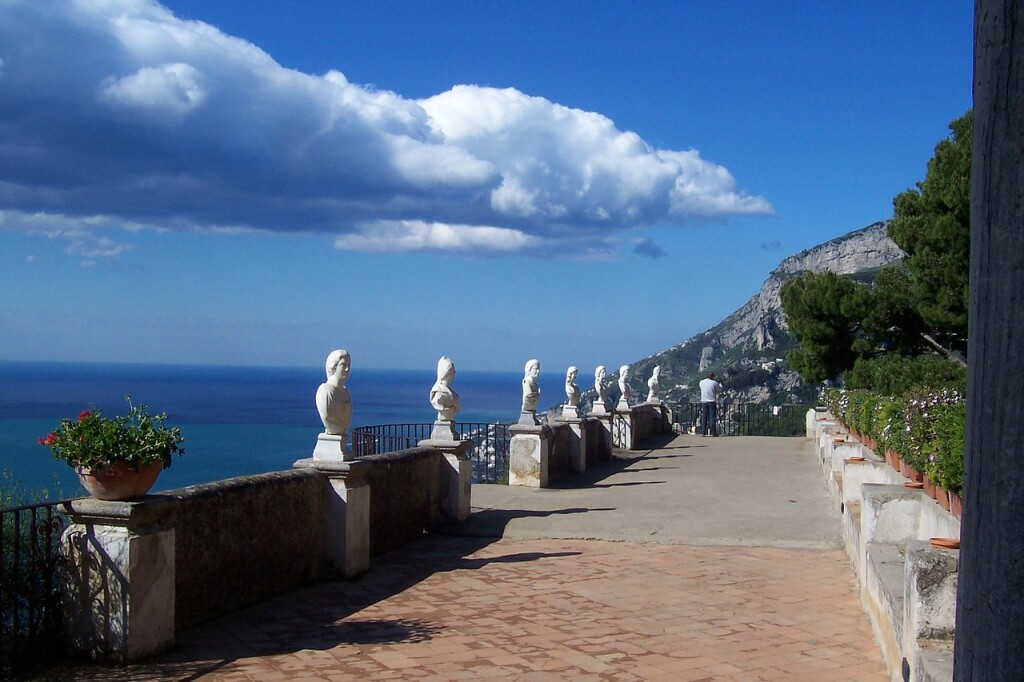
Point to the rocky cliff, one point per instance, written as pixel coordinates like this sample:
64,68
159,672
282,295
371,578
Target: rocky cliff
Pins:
748,348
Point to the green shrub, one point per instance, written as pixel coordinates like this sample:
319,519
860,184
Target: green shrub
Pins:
925,426
931,435
893,374
891,424
944,453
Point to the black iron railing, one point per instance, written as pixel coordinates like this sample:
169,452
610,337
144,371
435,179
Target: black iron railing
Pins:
489,452
30,614
747,419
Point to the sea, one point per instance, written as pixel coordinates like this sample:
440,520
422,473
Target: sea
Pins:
235,420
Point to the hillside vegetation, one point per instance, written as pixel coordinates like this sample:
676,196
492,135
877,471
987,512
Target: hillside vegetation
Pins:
748,349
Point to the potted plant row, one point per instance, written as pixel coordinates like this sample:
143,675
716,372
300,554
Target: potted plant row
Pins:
920,432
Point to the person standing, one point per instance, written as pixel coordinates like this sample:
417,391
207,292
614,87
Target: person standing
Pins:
709,390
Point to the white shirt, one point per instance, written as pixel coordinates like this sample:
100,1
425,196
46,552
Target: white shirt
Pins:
709,390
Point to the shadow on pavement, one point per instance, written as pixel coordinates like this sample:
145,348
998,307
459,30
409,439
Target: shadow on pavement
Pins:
324,615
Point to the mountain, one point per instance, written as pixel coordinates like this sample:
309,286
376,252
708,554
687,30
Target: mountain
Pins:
747,349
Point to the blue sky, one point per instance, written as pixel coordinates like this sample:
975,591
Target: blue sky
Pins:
256,182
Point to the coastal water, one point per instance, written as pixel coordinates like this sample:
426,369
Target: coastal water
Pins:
235,420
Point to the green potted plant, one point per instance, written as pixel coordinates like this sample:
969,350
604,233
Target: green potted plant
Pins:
116,458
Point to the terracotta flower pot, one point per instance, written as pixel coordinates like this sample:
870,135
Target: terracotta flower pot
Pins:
945,543
916,476
942,497
955,505
929,488
118,482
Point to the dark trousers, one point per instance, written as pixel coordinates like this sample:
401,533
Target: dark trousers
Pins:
709,419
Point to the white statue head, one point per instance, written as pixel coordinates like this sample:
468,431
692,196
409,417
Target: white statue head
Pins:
445,369
570,374
623,373
339,363
532,368
599,372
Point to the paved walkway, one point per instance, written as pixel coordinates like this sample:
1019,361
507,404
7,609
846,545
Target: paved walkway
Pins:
705,559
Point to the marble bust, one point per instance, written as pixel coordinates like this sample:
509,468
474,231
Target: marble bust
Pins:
442,396
531,391
572,391
333,401
626,394
601,389
654,385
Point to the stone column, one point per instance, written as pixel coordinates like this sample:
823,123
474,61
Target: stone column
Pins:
528,455
346,521
603,444
118,580
456,475
577,442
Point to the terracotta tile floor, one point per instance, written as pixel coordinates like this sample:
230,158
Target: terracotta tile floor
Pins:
457,608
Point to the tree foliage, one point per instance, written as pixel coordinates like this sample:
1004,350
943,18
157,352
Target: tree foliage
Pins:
872,331
839,321
932,226
825,313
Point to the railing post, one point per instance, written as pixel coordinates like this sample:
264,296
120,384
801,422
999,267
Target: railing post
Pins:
119,577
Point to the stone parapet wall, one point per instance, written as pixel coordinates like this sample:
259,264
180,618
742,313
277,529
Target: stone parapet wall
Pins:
405,496
907,586
243,540
649,420
138,571
540,455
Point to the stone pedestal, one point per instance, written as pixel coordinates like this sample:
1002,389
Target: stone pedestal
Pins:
444,431
666,417
598,408
117,585
331,448
528,455
528,418
346,519
622,428
570,412
577,443
604,446
456,476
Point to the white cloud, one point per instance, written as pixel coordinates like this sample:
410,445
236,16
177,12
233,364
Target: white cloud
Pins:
415,235
171,90
135,115
78,235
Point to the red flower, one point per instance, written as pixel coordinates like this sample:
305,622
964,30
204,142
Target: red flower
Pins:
50,439
84,414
